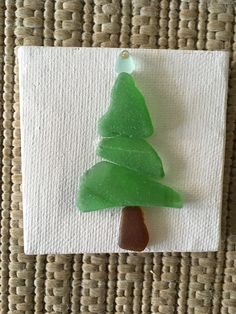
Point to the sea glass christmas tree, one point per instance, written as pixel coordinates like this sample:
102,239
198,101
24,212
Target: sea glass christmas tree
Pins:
129,176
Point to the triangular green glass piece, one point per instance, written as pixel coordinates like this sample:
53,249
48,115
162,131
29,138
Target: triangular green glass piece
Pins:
132,153
127,114
107,185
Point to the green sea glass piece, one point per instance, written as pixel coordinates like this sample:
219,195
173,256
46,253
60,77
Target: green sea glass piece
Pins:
132,153
107,185
128,114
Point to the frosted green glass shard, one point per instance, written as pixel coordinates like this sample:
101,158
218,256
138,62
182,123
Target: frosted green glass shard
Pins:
133,153
128,114
107,185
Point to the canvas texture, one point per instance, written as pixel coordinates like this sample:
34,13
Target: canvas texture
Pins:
189,136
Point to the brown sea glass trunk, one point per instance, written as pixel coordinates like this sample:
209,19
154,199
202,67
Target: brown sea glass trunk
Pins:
133,231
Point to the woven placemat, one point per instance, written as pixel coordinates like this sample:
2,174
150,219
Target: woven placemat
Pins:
115,283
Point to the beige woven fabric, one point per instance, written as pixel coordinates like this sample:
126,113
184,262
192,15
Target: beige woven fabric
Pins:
125,283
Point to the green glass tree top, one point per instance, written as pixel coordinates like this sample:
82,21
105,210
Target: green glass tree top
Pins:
127,114
132,168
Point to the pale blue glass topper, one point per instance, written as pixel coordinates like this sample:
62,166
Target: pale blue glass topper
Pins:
125,63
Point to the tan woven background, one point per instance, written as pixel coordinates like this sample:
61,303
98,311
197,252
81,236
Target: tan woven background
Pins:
124,283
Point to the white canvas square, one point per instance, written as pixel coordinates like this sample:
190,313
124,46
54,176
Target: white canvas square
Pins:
63,93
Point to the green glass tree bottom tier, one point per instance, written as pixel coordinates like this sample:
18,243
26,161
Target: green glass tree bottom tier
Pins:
107,185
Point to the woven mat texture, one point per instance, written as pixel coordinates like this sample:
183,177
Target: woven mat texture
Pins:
112,283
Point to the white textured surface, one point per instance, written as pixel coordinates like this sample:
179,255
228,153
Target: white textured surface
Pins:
64,91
